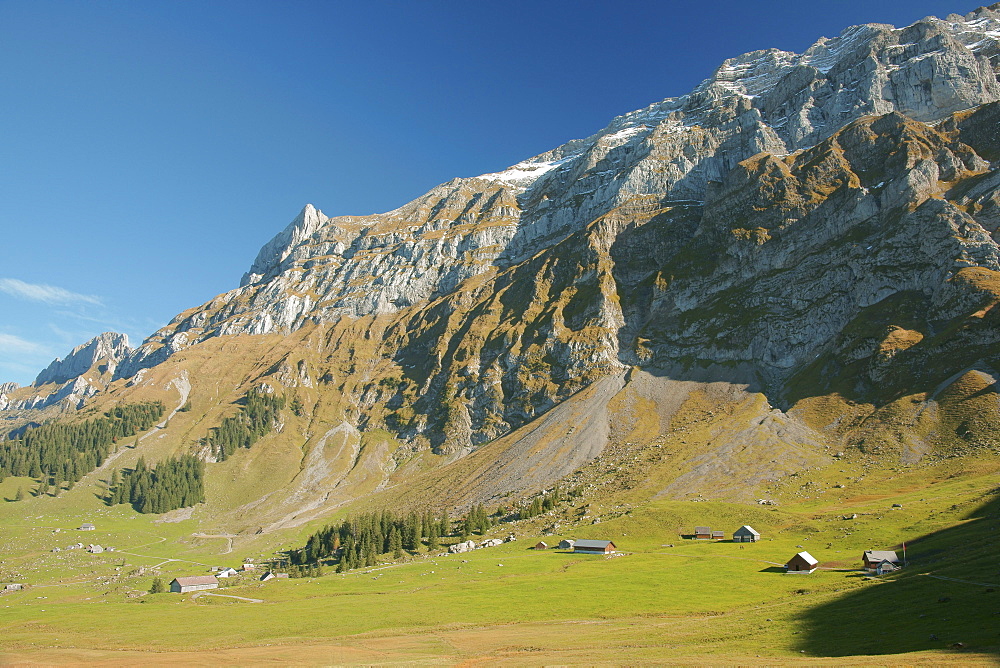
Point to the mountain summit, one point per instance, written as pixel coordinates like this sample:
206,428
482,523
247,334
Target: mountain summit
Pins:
809,236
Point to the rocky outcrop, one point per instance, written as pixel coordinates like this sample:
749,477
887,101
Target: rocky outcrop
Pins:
319,269
784,222
71,395
67,383
109,349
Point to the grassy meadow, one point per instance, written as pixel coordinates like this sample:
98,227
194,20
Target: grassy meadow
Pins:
666,599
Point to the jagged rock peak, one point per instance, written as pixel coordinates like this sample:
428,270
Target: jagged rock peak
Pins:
675,152
109,347
269,259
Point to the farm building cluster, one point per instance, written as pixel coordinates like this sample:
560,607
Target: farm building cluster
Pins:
876,562
182,585
745,534
582,546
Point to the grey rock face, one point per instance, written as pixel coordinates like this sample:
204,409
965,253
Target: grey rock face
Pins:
319,269
69,396
743,225
110,348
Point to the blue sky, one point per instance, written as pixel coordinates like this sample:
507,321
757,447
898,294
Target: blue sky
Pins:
150,148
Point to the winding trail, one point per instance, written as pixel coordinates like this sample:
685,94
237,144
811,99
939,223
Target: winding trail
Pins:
942,577
164,561
183,387
716,556
241,598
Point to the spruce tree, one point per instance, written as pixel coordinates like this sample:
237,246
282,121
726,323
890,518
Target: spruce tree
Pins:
432,537
395,543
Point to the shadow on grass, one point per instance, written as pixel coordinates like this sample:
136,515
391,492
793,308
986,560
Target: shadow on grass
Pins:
915,609
773,569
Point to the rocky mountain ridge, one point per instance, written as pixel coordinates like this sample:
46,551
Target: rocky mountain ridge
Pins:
66,383
799,257
109,348
319,269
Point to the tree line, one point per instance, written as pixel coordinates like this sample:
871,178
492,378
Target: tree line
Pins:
369,538
60,452
177,482
257,417
362,540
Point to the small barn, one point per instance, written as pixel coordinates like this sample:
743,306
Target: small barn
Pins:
803,562
594,547
267,576
193,583
718,535
703,533
567,544
872,558
745,534
541,545
87,526
885,566
95,549
248,565
227,573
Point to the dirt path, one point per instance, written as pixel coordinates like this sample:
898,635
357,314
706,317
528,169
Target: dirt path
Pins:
970,582
716,556
183,387
241,598
164,561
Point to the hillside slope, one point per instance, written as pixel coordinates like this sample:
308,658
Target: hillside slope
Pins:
796,259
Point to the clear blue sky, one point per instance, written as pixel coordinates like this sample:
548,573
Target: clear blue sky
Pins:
149,149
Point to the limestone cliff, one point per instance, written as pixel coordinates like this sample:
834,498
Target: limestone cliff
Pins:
801,254
745,224
109,348
65,384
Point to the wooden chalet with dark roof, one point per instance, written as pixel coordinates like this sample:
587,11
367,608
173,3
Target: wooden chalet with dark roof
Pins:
594,547
872,558
193,583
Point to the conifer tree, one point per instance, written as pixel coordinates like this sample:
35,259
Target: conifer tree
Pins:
395,543
432,537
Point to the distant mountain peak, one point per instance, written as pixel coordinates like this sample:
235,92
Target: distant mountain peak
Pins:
109,347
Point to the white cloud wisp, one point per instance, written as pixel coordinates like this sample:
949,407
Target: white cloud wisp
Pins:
48,294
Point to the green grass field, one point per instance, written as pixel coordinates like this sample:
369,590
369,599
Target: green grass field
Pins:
716,601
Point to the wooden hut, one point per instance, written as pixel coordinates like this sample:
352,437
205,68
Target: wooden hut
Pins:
872,558
193,583
885,566
567,544
718,535
745,534
594,547
541,545
703,533
803,562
